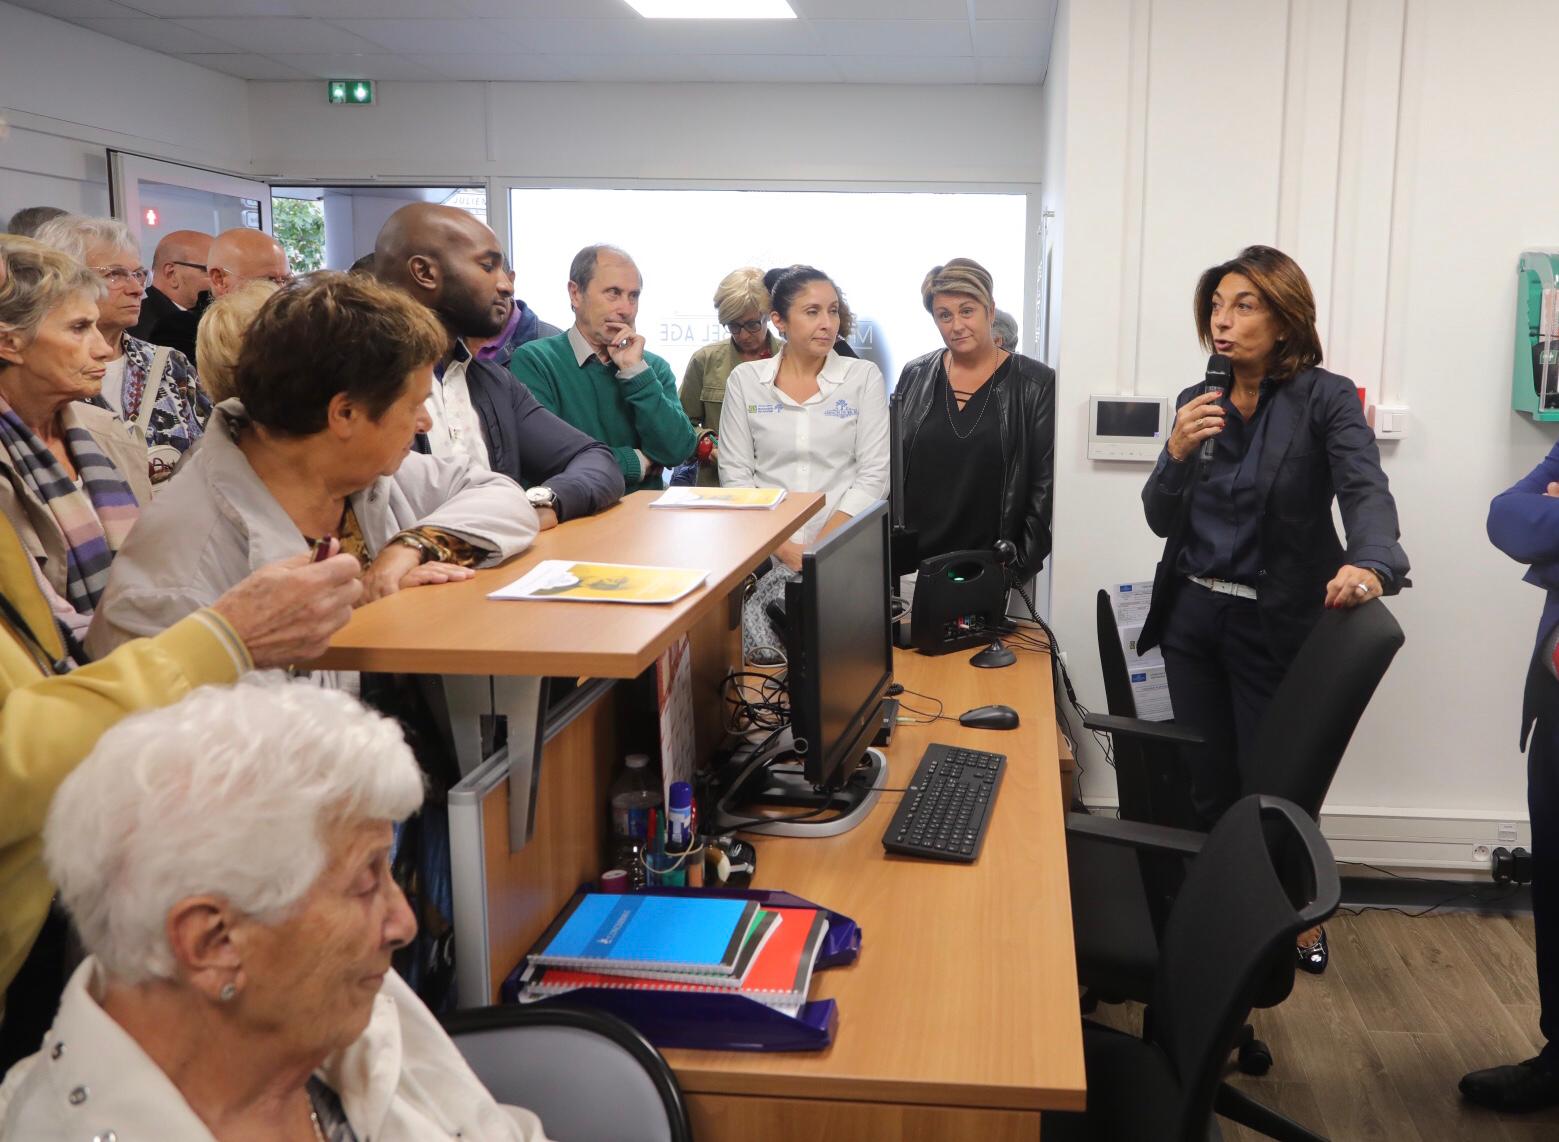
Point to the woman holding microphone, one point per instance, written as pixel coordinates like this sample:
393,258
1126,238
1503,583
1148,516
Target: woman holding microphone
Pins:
1251,557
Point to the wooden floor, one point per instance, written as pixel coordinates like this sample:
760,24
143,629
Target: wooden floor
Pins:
1373,1049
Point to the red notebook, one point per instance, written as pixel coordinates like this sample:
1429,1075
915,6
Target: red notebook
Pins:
780,977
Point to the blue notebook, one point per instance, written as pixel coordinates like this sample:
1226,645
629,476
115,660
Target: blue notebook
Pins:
617,932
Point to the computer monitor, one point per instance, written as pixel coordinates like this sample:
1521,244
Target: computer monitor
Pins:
839,653
840,648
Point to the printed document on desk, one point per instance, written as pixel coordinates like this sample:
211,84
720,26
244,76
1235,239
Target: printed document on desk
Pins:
760,499
602,583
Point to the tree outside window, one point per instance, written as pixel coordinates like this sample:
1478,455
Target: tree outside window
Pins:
299,225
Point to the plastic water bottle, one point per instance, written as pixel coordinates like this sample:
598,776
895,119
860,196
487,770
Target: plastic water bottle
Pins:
634,794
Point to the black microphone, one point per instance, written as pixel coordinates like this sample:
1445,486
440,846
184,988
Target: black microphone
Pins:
1220,374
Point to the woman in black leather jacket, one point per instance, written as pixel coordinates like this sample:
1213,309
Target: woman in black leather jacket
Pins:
976,427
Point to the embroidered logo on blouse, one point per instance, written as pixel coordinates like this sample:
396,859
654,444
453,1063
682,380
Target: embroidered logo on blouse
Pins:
757,408
842,409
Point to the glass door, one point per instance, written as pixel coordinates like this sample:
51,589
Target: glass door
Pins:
154,197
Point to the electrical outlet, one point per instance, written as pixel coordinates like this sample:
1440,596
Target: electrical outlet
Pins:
1507,832
1480,852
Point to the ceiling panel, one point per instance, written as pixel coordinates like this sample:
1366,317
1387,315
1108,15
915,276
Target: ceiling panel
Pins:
159,35
668,38
75,10
270,34
882,9
174,9
345,65
896,38
1011,38
244,65
444,36
857,41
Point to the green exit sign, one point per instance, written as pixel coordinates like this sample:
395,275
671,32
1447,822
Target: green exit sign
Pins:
359,91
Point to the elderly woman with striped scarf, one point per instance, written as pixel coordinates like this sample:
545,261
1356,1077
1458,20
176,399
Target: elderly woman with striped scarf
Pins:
71,478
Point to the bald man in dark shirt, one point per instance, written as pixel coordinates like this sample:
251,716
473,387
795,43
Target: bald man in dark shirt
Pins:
178,294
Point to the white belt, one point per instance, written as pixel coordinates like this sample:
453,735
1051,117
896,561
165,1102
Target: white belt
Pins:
1224,587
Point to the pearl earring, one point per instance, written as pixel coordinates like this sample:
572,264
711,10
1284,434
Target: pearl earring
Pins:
228,993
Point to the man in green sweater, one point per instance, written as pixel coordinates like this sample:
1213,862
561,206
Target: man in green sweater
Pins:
598,377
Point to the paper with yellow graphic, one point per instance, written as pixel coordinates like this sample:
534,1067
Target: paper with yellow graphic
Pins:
683,497
602,582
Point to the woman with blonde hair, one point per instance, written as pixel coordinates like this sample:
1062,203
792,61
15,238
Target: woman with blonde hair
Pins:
221,334
742,303
976,425
152,388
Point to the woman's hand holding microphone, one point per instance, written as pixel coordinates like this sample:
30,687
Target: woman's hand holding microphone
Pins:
1199,419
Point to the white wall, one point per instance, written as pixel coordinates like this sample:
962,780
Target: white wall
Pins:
757,132
1389,147
69,93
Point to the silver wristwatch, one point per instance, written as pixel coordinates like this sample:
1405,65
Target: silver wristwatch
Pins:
542,497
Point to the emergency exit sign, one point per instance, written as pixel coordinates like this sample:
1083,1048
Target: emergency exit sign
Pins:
358,91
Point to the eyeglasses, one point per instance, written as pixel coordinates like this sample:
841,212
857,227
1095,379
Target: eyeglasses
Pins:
746,326
278,279
118,277
192,265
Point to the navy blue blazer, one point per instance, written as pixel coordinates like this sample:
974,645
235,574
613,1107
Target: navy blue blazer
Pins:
1317,448
1524,524
532,446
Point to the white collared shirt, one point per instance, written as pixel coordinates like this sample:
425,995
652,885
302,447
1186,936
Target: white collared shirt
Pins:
456,429
835,443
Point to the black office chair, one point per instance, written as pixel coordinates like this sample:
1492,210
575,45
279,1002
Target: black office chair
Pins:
1233,923
1153,785
588,1075
1297,749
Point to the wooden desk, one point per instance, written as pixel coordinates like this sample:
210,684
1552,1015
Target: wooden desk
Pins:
456,629
960,1020
520,846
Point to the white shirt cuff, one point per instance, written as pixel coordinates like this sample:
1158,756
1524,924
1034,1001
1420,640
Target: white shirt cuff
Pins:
645,464
632,371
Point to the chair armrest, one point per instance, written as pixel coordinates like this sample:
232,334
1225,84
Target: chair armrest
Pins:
1142,730
1135,834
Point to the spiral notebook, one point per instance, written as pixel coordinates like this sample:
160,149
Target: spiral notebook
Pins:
646,933
780,977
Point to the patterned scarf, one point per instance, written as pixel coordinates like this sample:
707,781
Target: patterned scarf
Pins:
95,518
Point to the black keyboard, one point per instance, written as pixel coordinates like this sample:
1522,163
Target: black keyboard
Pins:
944,814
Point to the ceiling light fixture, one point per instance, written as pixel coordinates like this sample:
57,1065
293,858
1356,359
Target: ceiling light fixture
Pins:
713,9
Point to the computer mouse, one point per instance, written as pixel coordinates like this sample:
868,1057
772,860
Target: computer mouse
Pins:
990,718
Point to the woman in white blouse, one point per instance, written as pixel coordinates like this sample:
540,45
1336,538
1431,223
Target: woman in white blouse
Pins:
807,420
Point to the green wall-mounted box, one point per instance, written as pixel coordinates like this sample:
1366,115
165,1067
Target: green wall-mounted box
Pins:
1535,379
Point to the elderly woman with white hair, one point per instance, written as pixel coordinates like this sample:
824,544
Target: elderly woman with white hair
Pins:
226,862
152,388
742,304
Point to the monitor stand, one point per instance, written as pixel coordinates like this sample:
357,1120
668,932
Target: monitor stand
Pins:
775,779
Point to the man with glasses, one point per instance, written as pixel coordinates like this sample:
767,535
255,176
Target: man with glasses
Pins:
178,294
243,255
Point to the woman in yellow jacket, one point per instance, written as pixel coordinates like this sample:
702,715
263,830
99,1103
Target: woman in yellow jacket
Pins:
51,712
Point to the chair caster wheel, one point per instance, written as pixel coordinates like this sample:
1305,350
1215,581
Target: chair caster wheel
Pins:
1255,1058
